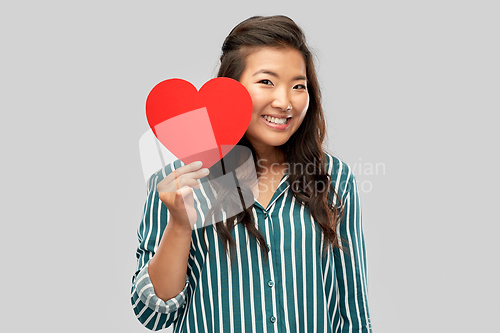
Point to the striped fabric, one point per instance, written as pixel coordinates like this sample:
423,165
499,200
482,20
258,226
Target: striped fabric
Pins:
297,290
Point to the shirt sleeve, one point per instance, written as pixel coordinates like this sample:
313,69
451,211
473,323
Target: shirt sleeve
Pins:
150,310
351,263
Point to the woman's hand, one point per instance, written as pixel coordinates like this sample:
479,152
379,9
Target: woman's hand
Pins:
176,193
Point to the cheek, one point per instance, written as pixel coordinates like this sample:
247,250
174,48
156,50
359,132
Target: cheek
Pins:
258,101
301,104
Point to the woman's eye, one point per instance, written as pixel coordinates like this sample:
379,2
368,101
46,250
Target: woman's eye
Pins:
300,86
266,82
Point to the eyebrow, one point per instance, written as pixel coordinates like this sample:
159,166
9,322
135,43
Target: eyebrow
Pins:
266,71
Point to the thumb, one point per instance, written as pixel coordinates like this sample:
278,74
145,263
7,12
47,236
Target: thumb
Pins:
183,193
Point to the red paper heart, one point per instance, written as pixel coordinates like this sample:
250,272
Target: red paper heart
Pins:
199,125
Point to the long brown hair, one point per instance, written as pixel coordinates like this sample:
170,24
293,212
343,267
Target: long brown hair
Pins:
305,146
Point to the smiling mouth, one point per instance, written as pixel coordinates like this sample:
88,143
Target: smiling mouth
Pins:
277,121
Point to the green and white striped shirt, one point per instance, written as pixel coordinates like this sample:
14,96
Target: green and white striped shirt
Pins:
297,290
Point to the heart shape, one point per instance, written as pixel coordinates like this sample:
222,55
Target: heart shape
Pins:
199,125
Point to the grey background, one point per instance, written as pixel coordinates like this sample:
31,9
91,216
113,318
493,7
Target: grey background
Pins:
412,86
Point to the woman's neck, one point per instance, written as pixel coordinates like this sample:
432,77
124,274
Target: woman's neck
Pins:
269,155
270,159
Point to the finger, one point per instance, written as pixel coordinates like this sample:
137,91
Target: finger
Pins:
191,182
176,180
166,197
188,179
197,174
183,194
177,184
184,170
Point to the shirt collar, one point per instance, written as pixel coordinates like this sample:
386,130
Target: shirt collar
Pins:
282,187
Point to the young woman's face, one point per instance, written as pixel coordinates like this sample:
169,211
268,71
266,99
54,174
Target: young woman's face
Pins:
276,81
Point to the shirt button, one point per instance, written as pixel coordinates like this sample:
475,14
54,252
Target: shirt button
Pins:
273,319
270,284
268,247
265,215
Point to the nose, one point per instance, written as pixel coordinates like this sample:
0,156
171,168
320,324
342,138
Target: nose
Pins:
281,100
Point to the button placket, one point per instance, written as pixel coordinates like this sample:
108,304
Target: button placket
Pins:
269,269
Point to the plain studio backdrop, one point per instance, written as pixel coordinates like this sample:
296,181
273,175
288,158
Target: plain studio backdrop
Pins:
411,94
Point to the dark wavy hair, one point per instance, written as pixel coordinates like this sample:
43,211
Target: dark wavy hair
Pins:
305,146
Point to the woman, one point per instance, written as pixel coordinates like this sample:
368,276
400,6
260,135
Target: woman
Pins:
294,261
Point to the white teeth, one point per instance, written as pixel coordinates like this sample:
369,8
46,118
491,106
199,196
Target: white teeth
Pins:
278,121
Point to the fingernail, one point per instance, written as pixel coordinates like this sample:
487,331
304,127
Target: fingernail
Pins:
204,171
198,163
